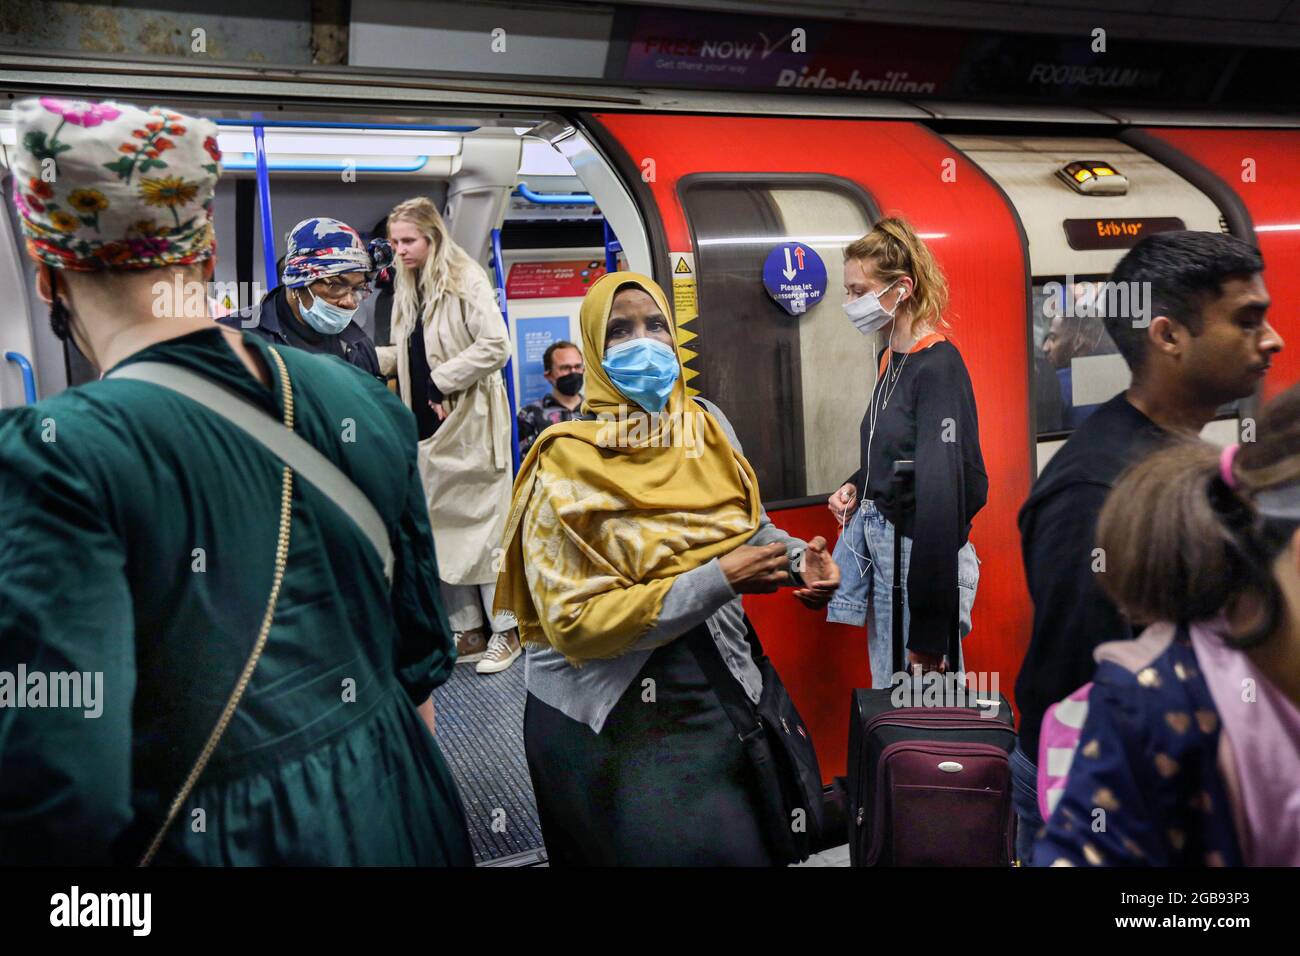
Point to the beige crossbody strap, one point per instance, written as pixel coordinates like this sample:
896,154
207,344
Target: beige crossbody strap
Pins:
299,454
281,558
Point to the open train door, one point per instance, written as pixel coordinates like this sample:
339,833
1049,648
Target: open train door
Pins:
731,198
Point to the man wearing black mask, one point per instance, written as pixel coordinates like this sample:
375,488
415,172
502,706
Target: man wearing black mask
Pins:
563,366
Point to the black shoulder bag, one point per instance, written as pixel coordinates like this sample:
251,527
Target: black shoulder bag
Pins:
778,745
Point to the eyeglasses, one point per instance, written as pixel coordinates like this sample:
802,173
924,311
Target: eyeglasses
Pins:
335,289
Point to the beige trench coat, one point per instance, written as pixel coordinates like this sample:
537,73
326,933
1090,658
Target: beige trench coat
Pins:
466,463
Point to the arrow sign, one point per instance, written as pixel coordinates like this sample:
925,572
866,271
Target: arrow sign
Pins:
795,277
788,272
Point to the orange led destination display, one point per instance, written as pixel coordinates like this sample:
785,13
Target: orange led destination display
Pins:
1110,233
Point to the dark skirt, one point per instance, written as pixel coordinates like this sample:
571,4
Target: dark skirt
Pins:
665,783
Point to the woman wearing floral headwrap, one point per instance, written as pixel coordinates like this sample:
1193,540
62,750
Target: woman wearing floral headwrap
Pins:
154,553
327,274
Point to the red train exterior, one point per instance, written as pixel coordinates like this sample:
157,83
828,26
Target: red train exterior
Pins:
977,238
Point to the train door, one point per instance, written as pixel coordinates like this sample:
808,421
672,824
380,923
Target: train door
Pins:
731,196
1084,201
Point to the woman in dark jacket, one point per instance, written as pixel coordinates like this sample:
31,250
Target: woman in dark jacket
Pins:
922,410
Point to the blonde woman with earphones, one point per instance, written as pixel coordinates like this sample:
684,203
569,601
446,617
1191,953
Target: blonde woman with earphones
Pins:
923,410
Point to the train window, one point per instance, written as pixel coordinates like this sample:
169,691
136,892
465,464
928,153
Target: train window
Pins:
1076,365
793,386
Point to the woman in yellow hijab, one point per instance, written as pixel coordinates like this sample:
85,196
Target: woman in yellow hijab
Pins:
629,542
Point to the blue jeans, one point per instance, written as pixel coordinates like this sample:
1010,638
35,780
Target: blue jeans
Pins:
1024,796
865,555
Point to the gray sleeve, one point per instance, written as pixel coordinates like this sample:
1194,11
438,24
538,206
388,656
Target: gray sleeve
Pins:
693,597
767,533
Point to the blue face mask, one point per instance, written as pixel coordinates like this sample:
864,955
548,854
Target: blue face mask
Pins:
644,370
325,318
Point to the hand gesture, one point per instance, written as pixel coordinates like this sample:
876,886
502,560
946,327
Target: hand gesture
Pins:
756,570
821,574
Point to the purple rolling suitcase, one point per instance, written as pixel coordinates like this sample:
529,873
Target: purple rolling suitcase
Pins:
929,776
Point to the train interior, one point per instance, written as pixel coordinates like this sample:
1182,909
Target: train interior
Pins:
549,202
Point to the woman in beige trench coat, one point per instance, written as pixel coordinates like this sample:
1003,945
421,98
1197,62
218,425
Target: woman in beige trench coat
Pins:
450,344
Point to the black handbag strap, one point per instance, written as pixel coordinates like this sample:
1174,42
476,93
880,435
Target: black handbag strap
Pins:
739,708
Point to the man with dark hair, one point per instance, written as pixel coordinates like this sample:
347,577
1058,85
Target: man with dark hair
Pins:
1187,312
562,365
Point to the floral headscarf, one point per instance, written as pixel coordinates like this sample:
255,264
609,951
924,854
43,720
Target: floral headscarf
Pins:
113,186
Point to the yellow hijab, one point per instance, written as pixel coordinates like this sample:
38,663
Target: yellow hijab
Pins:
607,513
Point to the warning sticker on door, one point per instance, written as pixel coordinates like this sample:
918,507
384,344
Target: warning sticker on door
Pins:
685,303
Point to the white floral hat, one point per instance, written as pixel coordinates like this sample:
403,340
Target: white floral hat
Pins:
114,186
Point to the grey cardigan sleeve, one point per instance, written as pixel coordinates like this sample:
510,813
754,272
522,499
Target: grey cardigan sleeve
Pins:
698,593
767,532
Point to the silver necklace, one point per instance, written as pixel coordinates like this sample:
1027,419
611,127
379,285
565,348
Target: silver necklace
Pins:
886,392
892,378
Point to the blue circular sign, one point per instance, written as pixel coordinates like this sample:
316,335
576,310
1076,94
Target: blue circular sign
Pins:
795,276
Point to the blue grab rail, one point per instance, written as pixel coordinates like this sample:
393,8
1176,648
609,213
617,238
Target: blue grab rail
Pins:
498,266
612,248
553,199
331,166
264,201
29,378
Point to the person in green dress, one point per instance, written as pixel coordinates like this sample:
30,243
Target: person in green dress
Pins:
139,549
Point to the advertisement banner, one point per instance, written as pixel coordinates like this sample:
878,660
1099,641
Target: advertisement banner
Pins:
533,336
801,54
552,280
676,47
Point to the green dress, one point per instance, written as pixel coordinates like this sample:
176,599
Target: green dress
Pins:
137,541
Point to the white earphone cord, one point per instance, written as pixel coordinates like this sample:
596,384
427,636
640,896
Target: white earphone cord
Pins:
873,412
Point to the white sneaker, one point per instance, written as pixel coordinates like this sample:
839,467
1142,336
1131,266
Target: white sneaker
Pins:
501,652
